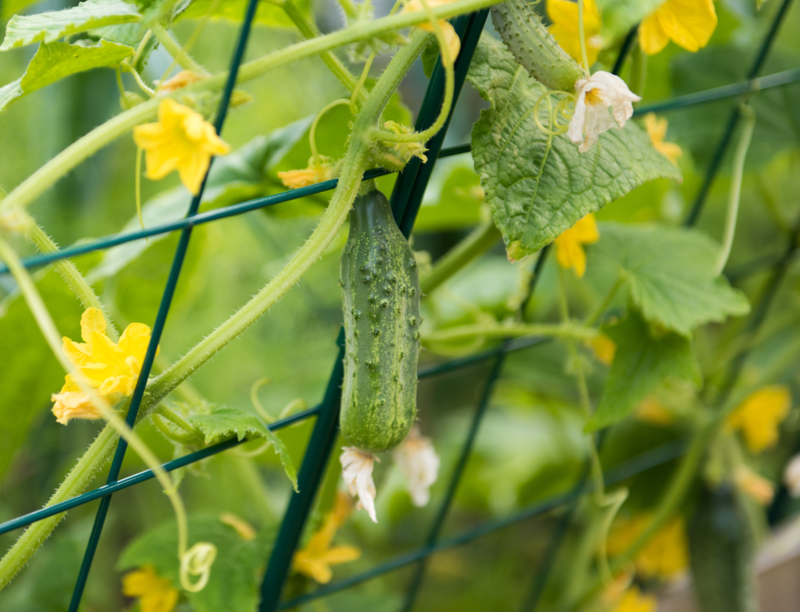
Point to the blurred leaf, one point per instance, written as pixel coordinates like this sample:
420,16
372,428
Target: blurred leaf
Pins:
619,16
30,371
458,206
54,61
643,359
670,273
235,575
236,178
267,13
24,30
539,186
12,7
225,423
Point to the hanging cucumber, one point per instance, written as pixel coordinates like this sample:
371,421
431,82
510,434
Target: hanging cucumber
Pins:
722,547
380,283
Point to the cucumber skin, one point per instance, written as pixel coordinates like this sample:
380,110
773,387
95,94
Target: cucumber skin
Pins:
535,49
380,286
722,550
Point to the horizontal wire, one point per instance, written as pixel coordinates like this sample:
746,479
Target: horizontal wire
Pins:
637,465
202,218
89,496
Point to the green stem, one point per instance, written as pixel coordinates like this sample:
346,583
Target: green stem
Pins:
464,332
175,50
176,419
736,186
612,293
349,8
86,146
482,238
309,30
582,37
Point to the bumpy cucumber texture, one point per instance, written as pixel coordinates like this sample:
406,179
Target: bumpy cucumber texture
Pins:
380,283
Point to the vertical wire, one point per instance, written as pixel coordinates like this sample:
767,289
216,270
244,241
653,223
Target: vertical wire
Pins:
733,120
325,429
163,311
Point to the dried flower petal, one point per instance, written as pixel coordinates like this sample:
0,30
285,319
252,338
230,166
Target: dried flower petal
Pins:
357,472
417,460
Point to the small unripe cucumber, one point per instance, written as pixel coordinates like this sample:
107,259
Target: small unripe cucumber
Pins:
380,284
536,50
722,548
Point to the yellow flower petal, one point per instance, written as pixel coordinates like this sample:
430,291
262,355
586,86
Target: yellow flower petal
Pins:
564,15
633,601
569,245
92,320
603,348
759,416
74,405
652,39
155,593
687,23
664,556
135,339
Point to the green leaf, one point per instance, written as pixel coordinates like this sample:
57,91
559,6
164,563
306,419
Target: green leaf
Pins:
48,27
54,61
236,178
235,575
642,361
538,186
619,16
268,13
670,273
225,423
8,8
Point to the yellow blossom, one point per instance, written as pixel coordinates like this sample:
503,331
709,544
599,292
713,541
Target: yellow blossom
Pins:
181,140
759,416
450,36
318,170
569,245
564,15
687,23
155,594
755,486
653,411
663,556
179,81
633,601
657,130
316,559
603,348
112,369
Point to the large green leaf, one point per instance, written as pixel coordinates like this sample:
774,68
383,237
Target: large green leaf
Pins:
619,16
643,359
48,27
225,423
670,273
12,7
538,185
235,575
54,61
268,13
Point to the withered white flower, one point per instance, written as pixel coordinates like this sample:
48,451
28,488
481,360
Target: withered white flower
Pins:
357,473
596,95
791,476
417,460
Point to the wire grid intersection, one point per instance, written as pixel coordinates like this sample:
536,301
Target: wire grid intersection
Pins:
406,200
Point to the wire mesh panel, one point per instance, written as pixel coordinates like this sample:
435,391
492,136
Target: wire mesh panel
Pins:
406,201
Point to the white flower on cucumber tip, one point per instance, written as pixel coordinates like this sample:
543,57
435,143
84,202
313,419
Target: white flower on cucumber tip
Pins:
596,95
357,473
418,462
791,476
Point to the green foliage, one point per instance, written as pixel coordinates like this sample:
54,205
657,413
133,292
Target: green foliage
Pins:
643,360
225,423
235,575
670,273
24,30
267,13
54,61
458,205
619,16
538,185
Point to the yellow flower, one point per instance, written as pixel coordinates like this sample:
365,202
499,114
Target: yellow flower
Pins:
183,79
318,170
652,411
181,140
316,559
657,130
569,245
110,368
564,15
633,601
603,348
687,23
155,594
451,38
759,416
754,485
665,554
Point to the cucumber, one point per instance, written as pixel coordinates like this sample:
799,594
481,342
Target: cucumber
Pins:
380,284
536,50
722,549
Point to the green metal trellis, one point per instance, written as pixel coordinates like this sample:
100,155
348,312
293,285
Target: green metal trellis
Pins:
406,199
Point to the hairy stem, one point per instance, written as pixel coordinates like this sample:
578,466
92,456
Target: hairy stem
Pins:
175,50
